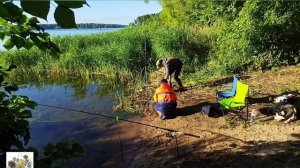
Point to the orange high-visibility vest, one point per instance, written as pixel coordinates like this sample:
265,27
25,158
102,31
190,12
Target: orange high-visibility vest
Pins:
165,94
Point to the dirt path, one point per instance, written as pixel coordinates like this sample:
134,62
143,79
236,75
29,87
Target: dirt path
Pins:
217,143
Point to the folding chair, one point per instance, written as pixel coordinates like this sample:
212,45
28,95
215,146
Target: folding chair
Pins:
238,102
230,93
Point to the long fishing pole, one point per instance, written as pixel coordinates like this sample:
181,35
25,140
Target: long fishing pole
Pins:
121,146
177,148
140,123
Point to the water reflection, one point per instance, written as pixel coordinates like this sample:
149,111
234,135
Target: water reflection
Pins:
99,136
81,85
67,97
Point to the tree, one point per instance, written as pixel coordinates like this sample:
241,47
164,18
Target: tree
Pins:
195,12
145,19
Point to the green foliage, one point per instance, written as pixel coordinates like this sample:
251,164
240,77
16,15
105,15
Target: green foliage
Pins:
211,37
57,155
265,34
189,44
62,14
145,19
13,116
36,8
193,12
244,35
22,32
132,49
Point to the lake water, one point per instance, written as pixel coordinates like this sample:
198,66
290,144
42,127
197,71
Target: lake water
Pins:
72,32
99,136
64,32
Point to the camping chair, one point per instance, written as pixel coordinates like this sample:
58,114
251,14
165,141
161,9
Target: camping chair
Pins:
238,102
230,93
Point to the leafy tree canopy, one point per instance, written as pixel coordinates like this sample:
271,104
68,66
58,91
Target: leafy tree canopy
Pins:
191,12
145,19
262,34
20,31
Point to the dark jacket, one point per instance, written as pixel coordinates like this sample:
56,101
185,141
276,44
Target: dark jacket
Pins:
171,64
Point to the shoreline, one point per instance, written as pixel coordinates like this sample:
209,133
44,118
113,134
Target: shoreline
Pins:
221,144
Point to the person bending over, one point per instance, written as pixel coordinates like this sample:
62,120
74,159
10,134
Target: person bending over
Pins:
165,99
171,65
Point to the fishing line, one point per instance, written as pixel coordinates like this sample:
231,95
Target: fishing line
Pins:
140,123
177,149
120,142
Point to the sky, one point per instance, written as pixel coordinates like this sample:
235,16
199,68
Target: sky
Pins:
110,11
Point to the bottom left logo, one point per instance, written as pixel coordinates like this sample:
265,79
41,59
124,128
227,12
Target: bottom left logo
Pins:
19,159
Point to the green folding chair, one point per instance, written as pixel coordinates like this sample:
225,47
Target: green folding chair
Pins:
238,102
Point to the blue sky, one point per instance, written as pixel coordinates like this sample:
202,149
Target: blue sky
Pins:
110,11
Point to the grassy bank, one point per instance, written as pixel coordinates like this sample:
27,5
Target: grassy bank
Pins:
122,59
129,55
133,49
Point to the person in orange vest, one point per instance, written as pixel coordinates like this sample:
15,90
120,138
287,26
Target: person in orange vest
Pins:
165,99
171,65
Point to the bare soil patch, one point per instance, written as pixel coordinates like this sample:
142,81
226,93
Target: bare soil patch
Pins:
266,143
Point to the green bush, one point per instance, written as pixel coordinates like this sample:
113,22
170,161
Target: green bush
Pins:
265,34
244,35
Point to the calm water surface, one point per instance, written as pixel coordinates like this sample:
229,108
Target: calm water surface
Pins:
99,136
64,32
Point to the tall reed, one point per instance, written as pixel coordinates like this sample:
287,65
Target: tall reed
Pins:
133,49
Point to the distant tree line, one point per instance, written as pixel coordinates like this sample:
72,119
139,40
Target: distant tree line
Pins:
145,19
85,26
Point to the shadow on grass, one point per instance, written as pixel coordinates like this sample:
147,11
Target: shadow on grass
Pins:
103,149
269,98
266,154
296,135
186,152
190,110
266,111
205,153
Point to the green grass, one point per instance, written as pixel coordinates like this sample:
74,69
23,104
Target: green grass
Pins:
133,49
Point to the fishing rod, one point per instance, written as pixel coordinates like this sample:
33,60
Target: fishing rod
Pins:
140,123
